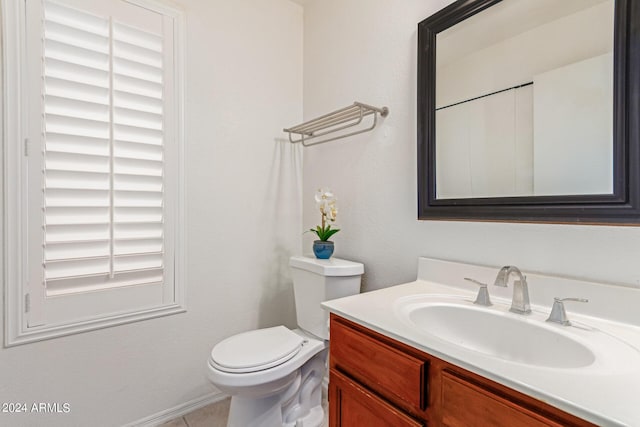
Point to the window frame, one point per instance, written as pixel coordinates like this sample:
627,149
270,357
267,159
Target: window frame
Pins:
14,113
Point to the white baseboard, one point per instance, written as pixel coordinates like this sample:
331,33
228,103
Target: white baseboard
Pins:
179,410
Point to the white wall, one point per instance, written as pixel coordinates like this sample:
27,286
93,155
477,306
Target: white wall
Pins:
366,50
573,129
243,85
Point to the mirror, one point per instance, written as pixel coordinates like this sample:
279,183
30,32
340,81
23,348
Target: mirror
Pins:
513,122
528,111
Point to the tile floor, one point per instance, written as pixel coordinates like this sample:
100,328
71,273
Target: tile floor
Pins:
214,415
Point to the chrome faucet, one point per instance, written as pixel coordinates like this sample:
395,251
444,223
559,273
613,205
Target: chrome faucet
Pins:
558,313
520,300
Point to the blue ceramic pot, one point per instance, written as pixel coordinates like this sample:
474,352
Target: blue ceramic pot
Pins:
322,250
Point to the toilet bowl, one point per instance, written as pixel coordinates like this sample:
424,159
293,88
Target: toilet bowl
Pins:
274,375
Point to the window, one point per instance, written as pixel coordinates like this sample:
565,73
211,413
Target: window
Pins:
94,228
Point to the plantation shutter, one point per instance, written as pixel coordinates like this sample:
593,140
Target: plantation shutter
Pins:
95,172
103,153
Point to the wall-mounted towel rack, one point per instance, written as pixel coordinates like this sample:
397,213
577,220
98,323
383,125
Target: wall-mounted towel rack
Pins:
336,121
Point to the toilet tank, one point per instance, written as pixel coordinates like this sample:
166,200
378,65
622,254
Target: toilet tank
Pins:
318,280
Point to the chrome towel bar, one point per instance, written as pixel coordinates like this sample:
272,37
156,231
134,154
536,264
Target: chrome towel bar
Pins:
336,121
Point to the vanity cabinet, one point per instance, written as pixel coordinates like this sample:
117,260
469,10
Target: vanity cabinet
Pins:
377,381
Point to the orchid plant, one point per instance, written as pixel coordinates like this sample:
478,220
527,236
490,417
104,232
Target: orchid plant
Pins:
326,203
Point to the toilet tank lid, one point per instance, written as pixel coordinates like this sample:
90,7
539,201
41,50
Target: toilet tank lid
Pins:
327,267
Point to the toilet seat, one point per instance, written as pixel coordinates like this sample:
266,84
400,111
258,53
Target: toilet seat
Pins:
256,350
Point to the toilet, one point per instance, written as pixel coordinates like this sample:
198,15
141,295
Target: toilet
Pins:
274,375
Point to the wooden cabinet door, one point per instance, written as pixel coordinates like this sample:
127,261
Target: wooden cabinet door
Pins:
466,405
391,373
351,405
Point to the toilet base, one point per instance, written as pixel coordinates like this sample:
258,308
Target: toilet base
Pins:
269,414
314,419
298,405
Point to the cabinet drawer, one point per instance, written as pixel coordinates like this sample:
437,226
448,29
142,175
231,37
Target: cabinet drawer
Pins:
352,405
389,372
464,404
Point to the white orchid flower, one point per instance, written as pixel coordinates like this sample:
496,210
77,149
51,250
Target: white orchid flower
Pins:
326,203
324,196
332,211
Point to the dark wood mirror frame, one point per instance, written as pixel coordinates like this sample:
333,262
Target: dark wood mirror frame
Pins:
621,207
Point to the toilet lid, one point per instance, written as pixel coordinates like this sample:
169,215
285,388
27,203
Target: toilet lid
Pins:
256,350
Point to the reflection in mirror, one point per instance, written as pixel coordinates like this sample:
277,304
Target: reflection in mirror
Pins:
524,101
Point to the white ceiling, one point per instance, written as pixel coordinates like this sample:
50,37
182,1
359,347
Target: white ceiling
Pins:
502,21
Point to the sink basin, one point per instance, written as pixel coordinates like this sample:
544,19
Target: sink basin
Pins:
497,333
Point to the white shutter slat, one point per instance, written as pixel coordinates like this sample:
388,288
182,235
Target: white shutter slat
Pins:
135,118
136,246
64,161
76,233
138,53
126,67
138,182
71,72
55,179
132,215
79,215
57,13
55,86
74,36
123,263
68,107
76,267
137,102
137,37
76,126
137,150
137,134
76,198
142,167
76,55
148,230
104,158
67,250
73,144
136,86
133,199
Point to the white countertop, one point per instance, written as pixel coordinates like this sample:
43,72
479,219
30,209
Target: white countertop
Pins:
606,393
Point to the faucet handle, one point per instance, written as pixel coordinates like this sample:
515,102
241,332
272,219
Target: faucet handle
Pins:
477,282
558,313
483,293
570,299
